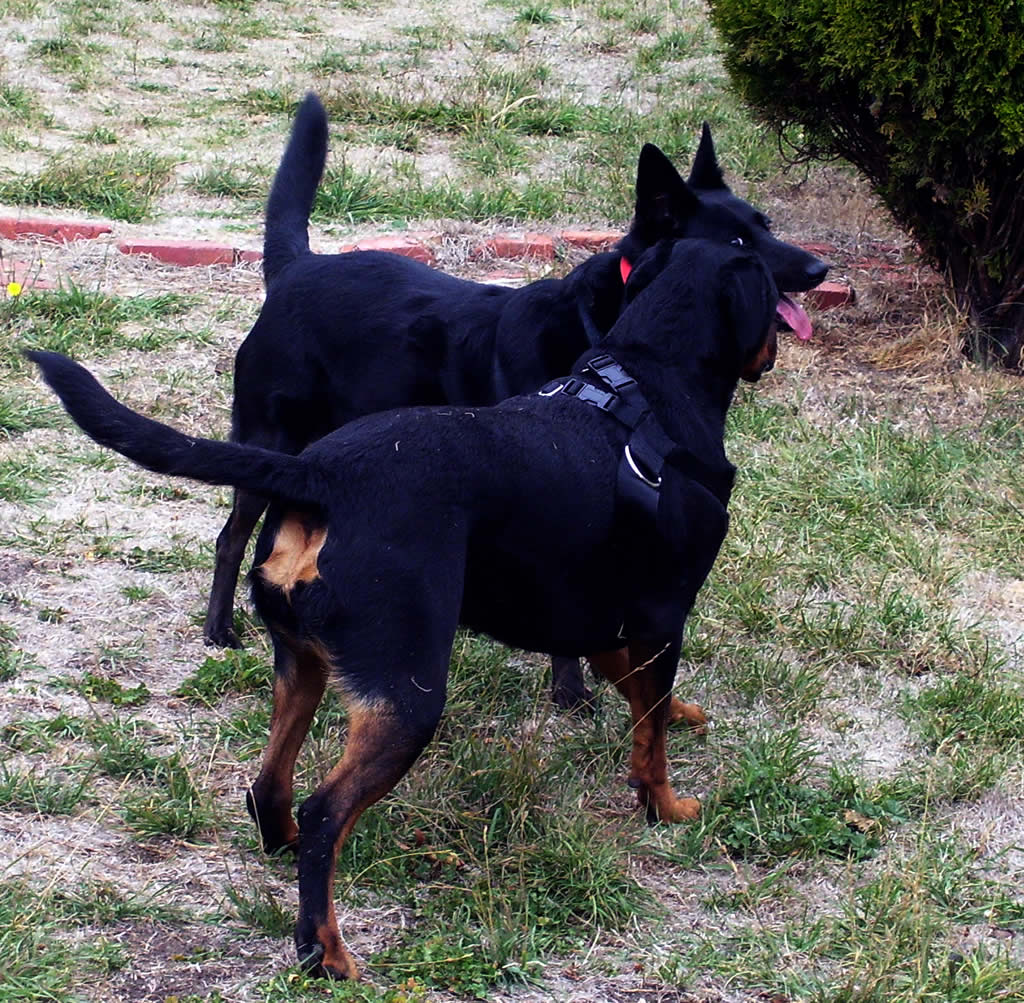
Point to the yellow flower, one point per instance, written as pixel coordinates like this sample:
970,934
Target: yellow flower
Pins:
13,288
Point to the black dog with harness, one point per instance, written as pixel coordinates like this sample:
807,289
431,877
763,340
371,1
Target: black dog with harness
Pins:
552,525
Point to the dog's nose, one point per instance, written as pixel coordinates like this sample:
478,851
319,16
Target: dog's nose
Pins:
816,273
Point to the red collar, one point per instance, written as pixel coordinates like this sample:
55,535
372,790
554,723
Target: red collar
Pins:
625,267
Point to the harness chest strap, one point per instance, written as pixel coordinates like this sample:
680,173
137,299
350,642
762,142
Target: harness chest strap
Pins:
644,455
639,474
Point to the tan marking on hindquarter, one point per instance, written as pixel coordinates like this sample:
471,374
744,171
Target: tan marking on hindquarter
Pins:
293,559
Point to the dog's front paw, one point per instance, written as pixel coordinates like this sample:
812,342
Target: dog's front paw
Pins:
277,829
220,636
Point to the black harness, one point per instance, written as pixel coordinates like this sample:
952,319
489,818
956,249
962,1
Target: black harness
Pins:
644,456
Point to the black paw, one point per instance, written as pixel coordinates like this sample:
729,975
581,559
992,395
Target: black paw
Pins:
221,637
573,701
312,961
276,841
567,690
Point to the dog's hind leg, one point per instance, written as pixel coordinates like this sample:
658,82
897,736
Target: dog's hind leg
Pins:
383,742
643,674
219,627
300,678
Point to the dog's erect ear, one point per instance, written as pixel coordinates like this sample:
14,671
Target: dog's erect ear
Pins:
706,173
651,264
663,199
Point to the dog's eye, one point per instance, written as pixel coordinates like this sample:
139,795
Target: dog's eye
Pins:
736,241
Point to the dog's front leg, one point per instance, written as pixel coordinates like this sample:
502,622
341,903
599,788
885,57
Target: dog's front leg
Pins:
643,674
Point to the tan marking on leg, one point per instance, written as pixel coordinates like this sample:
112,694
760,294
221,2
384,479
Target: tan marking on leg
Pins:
297,694
649,760
373,762
293,558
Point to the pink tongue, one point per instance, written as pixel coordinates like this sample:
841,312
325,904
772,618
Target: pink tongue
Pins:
793,314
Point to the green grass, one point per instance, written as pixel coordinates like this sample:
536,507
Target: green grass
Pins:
228,181
21,481
29,791
232,672
854,644
772,802
18,105
21,412
13,660
39,962
73,320
119,185
105,689
171,804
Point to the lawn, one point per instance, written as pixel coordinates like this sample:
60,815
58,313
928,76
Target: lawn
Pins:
858,644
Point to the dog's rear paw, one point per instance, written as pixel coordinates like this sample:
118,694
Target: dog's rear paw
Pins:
689,714
313,960
221,637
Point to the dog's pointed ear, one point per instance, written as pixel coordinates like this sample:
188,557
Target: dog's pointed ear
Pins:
706,173
663,199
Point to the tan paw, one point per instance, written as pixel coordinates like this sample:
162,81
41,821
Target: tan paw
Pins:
691,714
680,810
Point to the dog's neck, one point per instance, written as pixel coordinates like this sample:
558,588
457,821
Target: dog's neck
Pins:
693,445
687,395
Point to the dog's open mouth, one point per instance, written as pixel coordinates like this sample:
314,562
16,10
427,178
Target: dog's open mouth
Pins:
792,317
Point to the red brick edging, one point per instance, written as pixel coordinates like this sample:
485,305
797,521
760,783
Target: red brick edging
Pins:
59,231
189,253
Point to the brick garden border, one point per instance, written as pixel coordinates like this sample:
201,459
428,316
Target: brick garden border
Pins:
418,245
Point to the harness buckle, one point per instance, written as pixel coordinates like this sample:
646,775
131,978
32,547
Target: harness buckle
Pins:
588,393
611,372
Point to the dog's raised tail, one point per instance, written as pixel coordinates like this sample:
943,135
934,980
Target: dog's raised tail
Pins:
286,235
165,450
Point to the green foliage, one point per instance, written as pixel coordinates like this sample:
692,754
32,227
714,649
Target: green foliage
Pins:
232,672
27,790
774,802
171,806
926,99
972,710
934,77
96,687
73,320
119,186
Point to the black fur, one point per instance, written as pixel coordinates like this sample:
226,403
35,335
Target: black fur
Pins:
345,335
503,518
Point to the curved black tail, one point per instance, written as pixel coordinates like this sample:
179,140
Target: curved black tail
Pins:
286,235
160,448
